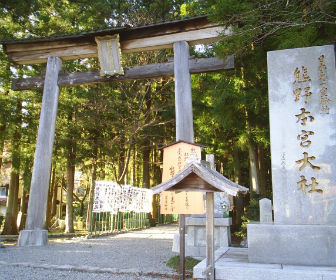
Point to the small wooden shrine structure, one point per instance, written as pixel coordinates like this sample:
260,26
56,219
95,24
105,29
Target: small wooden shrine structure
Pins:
199,177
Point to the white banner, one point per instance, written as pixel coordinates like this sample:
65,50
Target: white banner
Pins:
111,197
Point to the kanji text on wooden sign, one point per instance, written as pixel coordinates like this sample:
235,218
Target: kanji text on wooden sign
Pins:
174,160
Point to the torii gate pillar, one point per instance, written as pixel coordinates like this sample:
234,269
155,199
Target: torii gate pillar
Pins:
35,234
184,119
183,97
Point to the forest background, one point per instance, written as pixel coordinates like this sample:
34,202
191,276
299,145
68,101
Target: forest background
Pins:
112,131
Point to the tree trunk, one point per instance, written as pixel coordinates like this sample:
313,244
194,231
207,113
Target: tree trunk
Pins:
236,166
146,144
254,180
63,186
25,191
2,143
71,155
145,164
50,196
262,170
10,226
54,201
121,160
93,180
69,228
102,172
157,177
3,128
23,209
237,200
81,211
145,168
134,168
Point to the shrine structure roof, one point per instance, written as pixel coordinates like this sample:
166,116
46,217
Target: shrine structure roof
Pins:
197,176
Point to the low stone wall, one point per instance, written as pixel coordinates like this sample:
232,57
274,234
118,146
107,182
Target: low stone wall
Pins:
311,245
195,236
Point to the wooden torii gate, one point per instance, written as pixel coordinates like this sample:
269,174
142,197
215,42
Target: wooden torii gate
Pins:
178,34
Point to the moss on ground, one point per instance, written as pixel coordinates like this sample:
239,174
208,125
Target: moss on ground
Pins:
174,262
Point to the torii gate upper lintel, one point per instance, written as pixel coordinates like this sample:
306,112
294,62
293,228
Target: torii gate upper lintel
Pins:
175,34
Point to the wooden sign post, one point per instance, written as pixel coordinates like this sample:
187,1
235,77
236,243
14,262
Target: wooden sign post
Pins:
199,178
210,241
209,227
175,158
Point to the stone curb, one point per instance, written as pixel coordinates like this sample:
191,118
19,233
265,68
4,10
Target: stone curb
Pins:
11,238
8,238
93,269
50,236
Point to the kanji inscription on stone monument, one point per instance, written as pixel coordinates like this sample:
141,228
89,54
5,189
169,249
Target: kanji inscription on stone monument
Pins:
302,109
302,99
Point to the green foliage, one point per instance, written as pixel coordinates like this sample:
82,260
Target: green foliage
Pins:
2,222
272,24
76,209
174,262
251,213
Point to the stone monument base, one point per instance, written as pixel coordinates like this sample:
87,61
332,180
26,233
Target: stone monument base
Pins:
195,236
36,237
292,244
233,264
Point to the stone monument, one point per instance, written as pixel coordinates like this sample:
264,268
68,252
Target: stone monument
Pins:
302,97
265,206
300,243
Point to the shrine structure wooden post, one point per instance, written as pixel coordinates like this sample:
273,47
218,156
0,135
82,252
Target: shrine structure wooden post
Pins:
209,227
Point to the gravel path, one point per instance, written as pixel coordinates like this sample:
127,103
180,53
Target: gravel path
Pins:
20,273
133,255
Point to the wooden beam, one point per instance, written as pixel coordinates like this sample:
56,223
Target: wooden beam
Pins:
126,34
194,37
79,50
65,53
202,65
